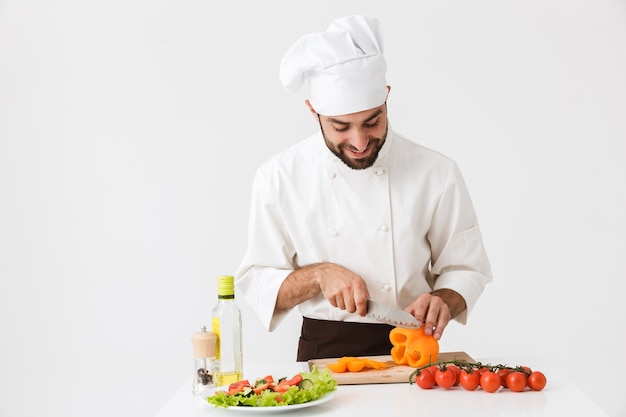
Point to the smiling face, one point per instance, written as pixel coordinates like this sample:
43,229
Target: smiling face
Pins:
355,138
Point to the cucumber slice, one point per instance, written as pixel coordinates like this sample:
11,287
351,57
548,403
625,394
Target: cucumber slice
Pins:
306,384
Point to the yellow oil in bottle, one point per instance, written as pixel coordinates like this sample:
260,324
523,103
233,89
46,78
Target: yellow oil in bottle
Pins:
227,378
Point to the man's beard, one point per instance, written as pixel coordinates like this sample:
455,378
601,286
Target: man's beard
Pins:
361,163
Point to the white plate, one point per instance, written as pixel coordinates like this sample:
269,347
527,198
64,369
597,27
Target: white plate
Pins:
279,408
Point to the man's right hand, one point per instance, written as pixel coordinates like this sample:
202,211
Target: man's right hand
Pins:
342,288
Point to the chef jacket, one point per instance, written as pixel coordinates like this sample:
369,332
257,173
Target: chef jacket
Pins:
406,225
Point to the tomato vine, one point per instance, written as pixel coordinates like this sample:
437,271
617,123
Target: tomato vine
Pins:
520,376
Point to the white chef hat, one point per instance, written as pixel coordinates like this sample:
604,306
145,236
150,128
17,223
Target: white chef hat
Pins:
344,66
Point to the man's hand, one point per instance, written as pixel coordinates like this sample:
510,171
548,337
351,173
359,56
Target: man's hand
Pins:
435,310
341,287
344,289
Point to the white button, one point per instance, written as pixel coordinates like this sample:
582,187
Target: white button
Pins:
333,232
383,228
331,175
379,171
387,287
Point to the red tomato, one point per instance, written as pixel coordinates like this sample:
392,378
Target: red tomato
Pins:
445,378
282,387
295,380
268,379
503,373
537,381
516,381
457,373
239,384
433,369
260,388
482,370
235,389
425,379
490,381
469,380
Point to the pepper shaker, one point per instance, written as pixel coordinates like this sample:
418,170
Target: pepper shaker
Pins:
204,343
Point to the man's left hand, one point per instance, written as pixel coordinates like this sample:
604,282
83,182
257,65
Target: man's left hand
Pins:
435,310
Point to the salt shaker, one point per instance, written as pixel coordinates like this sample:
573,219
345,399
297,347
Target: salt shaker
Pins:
204,343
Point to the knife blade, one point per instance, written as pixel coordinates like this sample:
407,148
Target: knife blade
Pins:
391,315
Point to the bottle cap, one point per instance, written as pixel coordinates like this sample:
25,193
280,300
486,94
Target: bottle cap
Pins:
226,286
204,343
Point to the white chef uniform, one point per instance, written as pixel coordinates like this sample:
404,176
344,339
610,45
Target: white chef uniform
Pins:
406,225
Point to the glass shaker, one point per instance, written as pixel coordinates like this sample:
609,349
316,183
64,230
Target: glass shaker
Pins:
204,343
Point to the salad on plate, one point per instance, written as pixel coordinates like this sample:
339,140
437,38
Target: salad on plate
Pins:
302,388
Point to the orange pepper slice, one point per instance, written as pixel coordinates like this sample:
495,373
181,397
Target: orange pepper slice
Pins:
354,364
375,364
338,367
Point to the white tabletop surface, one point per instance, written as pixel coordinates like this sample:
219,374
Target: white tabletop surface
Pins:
560,398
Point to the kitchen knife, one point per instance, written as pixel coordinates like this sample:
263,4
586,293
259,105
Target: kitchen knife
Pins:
391,315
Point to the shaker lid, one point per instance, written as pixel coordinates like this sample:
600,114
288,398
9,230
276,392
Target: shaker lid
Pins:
204,343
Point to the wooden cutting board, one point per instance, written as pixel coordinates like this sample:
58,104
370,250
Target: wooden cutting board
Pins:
392,374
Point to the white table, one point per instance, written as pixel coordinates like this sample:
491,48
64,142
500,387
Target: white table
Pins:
560,398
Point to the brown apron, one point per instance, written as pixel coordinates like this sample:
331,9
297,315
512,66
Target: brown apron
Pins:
334,339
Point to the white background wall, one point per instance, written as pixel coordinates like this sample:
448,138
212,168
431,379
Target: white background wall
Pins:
130,130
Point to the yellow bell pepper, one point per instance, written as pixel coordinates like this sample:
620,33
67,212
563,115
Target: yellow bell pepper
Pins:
412,347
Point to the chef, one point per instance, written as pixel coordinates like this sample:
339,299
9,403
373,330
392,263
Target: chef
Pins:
357,211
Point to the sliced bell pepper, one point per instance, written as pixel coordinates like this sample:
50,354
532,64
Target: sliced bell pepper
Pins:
353,364
412,347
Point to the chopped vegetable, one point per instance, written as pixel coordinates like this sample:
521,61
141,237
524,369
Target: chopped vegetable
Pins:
295,380
306,384
338,367
352,364
302,388
412,347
